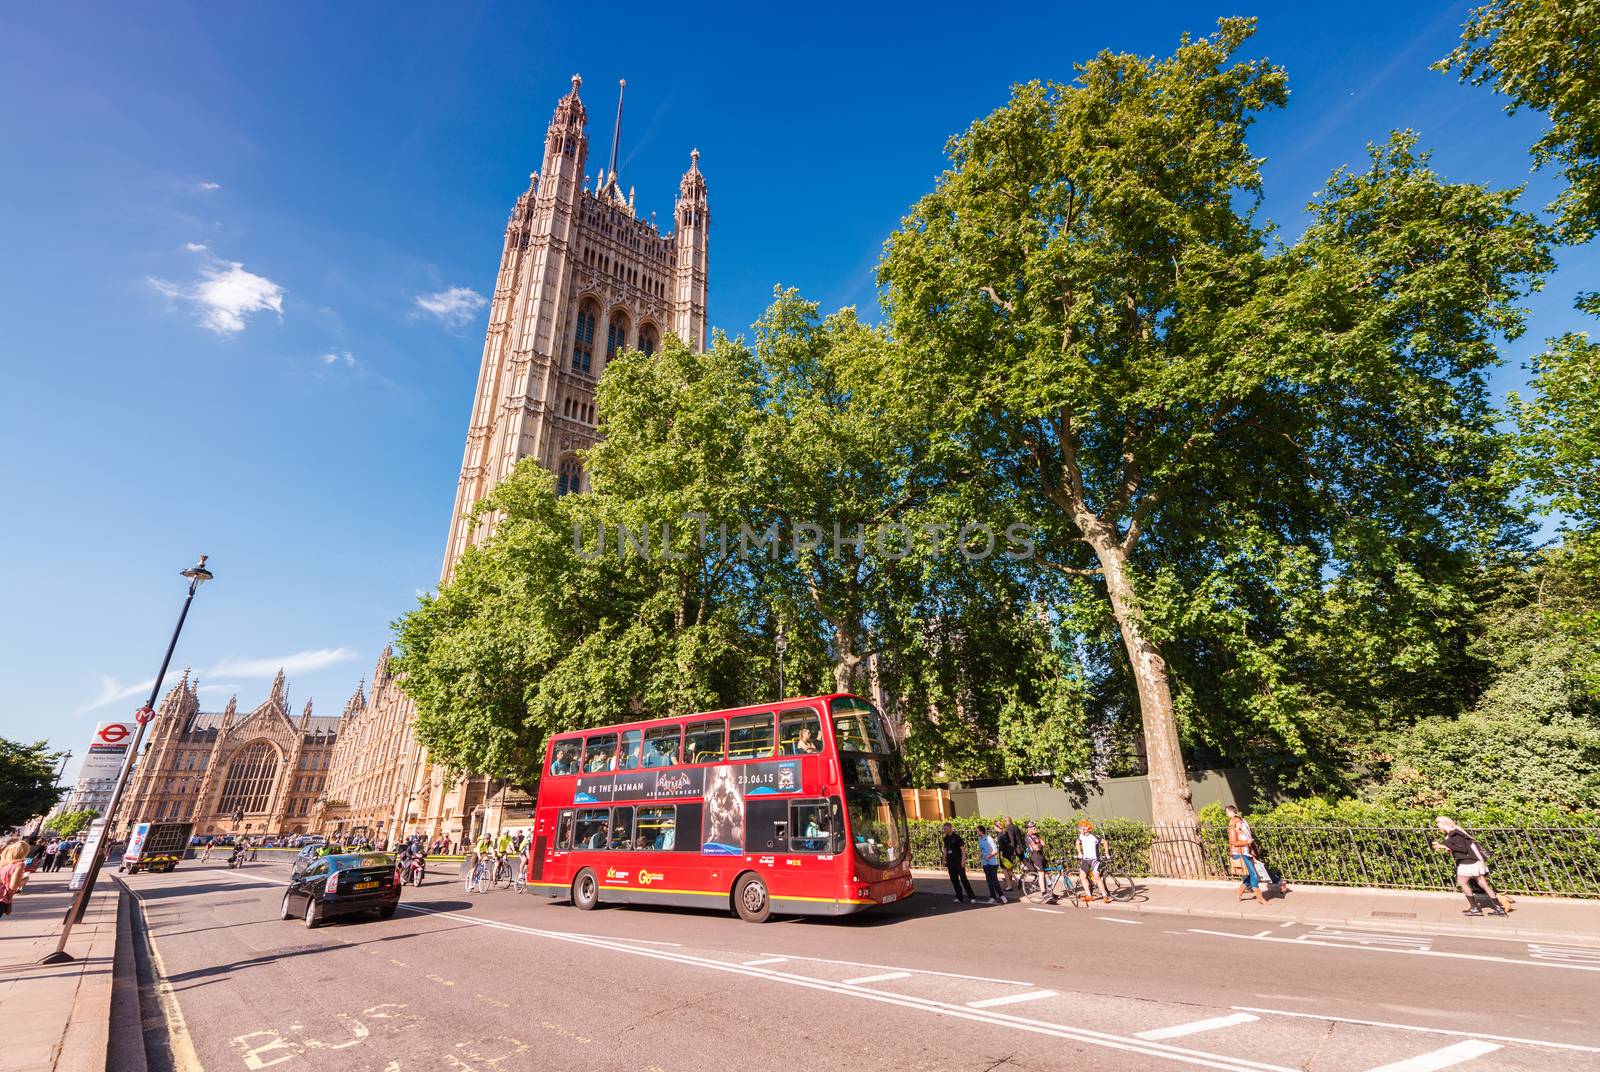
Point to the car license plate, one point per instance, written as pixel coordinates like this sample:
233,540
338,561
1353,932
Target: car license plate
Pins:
890,898
367,885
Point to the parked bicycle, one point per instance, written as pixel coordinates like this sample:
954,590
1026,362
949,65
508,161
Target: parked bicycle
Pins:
1042,887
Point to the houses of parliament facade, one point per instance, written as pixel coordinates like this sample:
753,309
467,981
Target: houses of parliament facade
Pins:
582,277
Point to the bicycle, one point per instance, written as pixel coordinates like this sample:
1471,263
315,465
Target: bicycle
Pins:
1042,887
519,873
503,872
1113,884
477,878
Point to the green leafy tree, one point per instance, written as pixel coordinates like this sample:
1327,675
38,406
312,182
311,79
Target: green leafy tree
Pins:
1086,303
27,781
1541,55
72,823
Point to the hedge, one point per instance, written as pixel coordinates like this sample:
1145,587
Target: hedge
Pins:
1345,843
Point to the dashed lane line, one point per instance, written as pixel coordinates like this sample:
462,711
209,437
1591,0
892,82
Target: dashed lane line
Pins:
1194,1027
1447,1057
1011,999
884,978
764,960
890,967
1403,952
1119,919
1548,1044
961,1012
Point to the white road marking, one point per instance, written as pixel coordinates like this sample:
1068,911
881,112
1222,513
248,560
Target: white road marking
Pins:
1426,1030
1011,999
1335,934
1580,954
1038,1027
1194,1027
880,967
1405,952
1116,919
1452,1054
1291,923
1048,911
764,960
884,978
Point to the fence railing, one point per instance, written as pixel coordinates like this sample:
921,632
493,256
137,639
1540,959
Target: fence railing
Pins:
1549,860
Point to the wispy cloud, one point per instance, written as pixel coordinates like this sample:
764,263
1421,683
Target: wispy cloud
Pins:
455,306
301,662
207,185
342,358
224,293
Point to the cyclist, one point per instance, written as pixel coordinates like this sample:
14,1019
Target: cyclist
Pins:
205,854
1088,870
1033,852
483,854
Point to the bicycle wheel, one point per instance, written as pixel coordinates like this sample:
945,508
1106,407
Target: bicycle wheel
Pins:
1119,887
1036,887
519,875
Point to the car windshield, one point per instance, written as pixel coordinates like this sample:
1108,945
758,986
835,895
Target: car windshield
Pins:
366,859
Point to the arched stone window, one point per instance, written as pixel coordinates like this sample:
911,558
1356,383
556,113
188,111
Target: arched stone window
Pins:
248,784
583,338
649,340
569,477
616,334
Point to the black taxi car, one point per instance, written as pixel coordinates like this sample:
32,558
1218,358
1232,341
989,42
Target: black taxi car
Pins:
341,885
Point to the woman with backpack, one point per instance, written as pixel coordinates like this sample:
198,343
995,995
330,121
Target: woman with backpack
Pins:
1471,863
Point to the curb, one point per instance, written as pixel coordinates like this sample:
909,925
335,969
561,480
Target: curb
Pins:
125,1043
85,1044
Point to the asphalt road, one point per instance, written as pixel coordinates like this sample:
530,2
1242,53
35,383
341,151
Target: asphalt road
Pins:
502,981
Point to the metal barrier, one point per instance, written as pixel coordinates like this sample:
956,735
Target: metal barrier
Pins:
1550,860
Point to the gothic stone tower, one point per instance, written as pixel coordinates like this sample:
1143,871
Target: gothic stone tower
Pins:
581,277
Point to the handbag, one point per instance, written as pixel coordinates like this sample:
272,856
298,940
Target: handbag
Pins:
1236,866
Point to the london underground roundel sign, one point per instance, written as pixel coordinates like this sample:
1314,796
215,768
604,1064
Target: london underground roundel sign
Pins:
112,733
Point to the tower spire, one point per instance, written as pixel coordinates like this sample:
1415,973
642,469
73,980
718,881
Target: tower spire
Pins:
616,131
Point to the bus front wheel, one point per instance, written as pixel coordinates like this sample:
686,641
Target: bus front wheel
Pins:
750,899
585,890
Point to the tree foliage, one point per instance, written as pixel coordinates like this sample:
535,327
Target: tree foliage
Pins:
1541,55
71,823
1210,424
27,781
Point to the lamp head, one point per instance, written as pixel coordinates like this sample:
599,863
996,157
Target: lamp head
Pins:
197,573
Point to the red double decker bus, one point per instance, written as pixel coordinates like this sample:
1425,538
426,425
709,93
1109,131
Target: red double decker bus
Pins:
791,807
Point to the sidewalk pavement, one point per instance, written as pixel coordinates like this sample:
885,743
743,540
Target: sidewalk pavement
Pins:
1571,921
57,1017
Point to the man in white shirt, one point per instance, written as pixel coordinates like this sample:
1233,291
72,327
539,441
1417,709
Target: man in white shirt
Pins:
1088,871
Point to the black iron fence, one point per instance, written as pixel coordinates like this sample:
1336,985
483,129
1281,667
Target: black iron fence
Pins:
1551,860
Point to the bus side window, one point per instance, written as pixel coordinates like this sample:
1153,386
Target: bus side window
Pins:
592,828
661,746
600,753
621,828
564,838
750,736
810,823
657,828
564,755
630,750
703,741
799,733
837,812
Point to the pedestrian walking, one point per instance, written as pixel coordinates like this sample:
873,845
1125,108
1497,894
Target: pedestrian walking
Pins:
1241,857
13,873
51,851
1472,865
989,857
955,861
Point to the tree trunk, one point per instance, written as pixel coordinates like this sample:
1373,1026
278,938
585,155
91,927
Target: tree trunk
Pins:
845,659
1174,850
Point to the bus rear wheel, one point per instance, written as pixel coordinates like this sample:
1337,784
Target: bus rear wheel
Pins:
750,899
585,890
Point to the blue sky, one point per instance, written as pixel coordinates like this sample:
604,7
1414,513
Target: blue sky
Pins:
242,248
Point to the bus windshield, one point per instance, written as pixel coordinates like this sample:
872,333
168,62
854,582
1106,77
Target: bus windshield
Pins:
877,824
857,727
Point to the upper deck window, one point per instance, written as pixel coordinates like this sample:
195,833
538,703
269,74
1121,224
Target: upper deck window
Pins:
703,742
857,727
750,736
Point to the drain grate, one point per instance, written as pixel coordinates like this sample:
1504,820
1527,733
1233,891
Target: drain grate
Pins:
1393,915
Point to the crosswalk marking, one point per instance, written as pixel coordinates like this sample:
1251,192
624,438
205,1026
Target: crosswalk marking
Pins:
1451,1055
1011,999
884,978
1194,1027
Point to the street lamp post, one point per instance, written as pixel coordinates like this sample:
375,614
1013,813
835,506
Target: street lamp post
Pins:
39,823
197,575
780,645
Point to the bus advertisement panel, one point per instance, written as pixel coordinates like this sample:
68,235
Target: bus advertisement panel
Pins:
791,807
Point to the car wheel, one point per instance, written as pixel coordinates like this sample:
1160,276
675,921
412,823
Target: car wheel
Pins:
387,912
751,900
313,912
285,912
585,890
